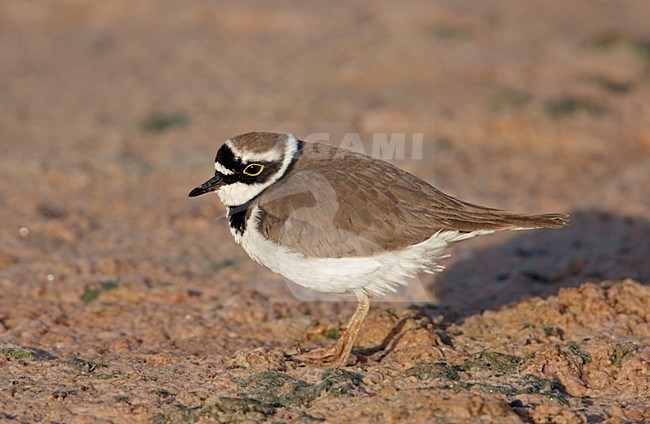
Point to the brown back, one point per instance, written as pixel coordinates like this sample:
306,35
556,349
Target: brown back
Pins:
336,203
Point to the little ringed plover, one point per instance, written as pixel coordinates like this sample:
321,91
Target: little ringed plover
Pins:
337,221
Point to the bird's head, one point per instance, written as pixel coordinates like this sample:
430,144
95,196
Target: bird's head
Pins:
247,164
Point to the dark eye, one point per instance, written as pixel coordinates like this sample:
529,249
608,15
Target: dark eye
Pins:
254,169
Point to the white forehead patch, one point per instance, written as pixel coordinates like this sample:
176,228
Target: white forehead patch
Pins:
222,169
273,155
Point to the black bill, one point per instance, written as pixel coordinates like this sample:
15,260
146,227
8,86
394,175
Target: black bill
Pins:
211,185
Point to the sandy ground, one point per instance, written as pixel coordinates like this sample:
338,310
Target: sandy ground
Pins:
121,300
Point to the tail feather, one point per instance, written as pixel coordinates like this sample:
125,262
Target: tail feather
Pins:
454,214
474,219
548,220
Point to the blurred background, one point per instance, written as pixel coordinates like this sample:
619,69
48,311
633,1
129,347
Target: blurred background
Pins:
110,112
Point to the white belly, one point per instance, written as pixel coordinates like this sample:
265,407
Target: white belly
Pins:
374,275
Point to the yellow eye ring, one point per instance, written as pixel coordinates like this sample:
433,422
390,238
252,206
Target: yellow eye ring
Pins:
254,169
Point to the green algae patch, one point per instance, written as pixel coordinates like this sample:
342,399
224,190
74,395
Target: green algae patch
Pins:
495,362
529,385
550,388
227,409
563,106
621,352
332,333
17,353
574,349
159,122
82,366
429,370
552,331
280,389
339,382
219,265
93,290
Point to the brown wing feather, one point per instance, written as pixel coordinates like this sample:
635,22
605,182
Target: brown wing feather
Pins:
336,203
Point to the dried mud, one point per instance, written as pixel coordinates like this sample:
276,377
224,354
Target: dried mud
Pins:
123,301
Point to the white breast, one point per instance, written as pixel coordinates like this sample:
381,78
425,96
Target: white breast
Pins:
374,275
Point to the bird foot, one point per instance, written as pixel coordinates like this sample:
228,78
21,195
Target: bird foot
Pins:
340,352
318,354
333,355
